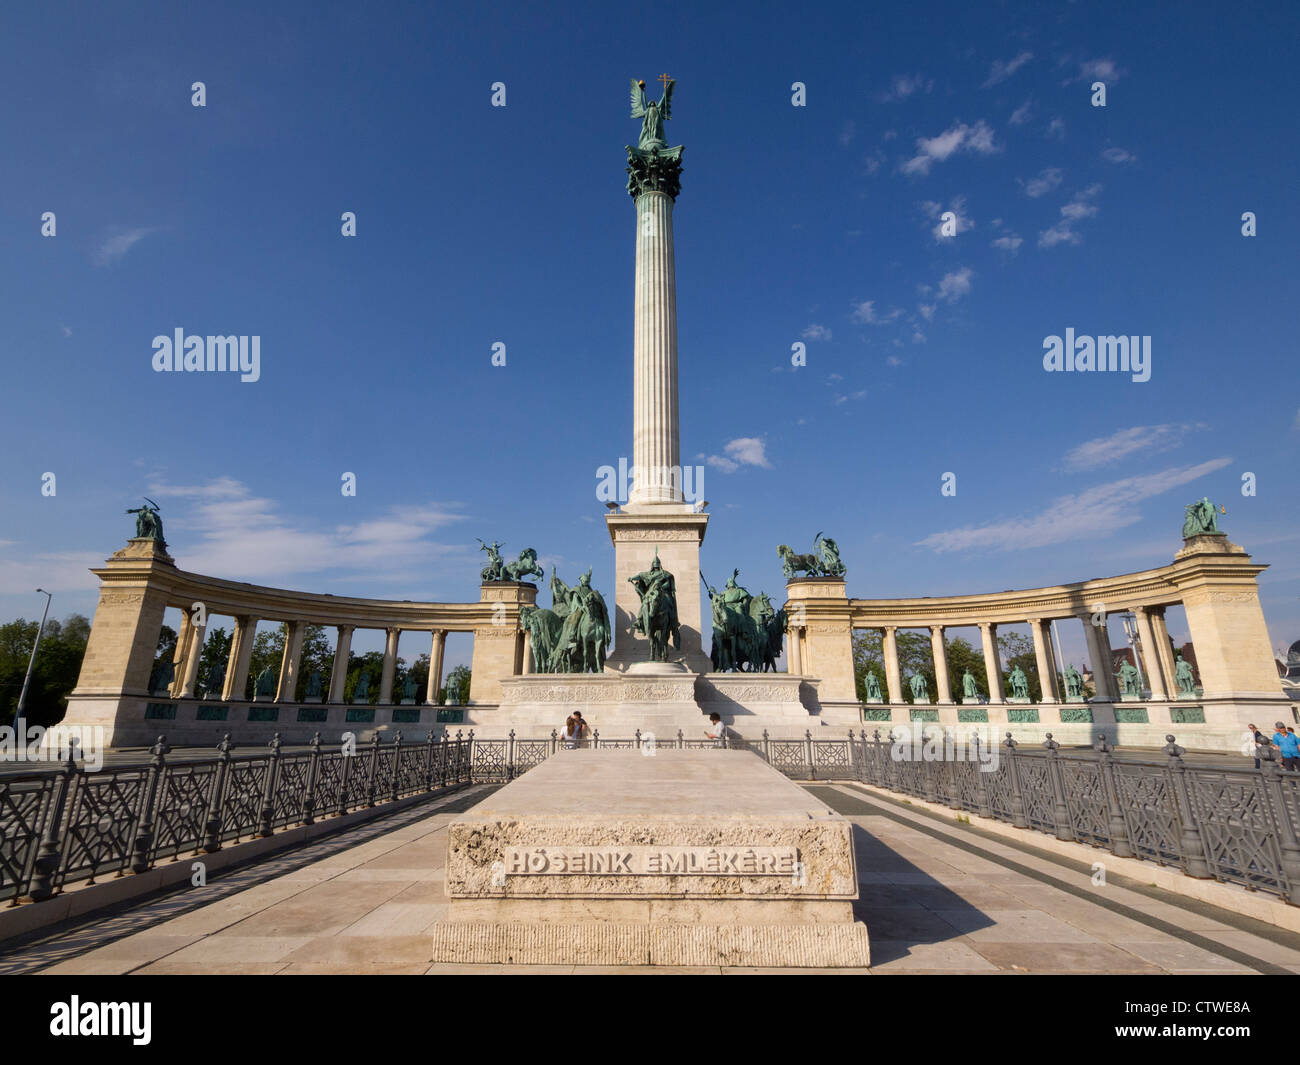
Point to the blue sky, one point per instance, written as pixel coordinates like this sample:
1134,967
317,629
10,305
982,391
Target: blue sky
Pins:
811,224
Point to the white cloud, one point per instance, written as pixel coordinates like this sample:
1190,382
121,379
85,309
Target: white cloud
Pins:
816,332
1056,128
927,310
1124,442
55,571
67,330
847,132
905,85
1099,70
1046,181
893,360
743,451
1118,155
117,243
1075,211
1078,516
865,314
961,137
1021,114
241,536
955,284
1000,71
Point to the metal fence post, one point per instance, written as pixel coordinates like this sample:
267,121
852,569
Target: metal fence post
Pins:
954,785
1018,817
1119,842
144,824
808,754
1192,846
313,776
638,739
681,740
51,850
373,775
468,752
397,765
510,756
217,797
1060,811
268,787
428,760
1276,783
981,785
595,739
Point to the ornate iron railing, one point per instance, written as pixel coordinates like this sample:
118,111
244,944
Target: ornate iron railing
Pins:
57,828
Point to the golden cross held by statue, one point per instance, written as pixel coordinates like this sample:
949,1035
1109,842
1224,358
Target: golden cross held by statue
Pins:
665,78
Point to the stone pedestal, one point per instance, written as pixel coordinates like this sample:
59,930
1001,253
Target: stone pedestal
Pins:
820,608
497,645
675,531
690,858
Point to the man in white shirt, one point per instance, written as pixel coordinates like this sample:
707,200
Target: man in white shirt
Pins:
717,731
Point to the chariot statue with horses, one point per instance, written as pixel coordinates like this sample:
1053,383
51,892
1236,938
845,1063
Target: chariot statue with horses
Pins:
498,569
824,561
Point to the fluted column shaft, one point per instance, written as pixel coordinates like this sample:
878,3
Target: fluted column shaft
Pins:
656,449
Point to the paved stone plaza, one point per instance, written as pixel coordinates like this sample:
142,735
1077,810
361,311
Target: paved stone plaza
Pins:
938,897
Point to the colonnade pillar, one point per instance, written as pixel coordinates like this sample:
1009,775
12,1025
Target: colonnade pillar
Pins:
390,666
992,662
1043,656
285,689
241,649
1152,672
435,667
937,649
342,658
889,648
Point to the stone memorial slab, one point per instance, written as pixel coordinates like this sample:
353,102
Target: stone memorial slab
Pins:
680,857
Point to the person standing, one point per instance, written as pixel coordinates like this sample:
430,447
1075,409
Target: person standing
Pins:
1259,741
716,731
569,737
1289,745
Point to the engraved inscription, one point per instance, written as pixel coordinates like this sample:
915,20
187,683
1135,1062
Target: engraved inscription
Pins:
651,861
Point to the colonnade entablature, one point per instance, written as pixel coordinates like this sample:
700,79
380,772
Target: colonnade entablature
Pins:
140,582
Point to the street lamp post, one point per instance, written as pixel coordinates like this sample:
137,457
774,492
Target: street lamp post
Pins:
31,664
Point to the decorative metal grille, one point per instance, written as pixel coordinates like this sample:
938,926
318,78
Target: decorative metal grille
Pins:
67,825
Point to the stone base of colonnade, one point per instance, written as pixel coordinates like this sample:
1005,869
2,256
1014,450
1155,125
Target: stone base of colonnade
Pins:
1207,724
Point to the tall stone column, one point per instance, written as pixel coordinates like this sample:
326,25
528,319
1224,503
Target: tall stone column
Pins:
288,685
943,690
656,450
1099,654
435,666
198,633
1152,672
1043,656
657,520
526,656
992,662
1164,649
180,654
893,679
241,650
795,647
390,666
342,657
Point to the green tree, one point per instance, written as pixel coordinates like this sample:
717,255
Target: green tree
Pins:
420,671
268,653
58,665
371,664
216,650
316,656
